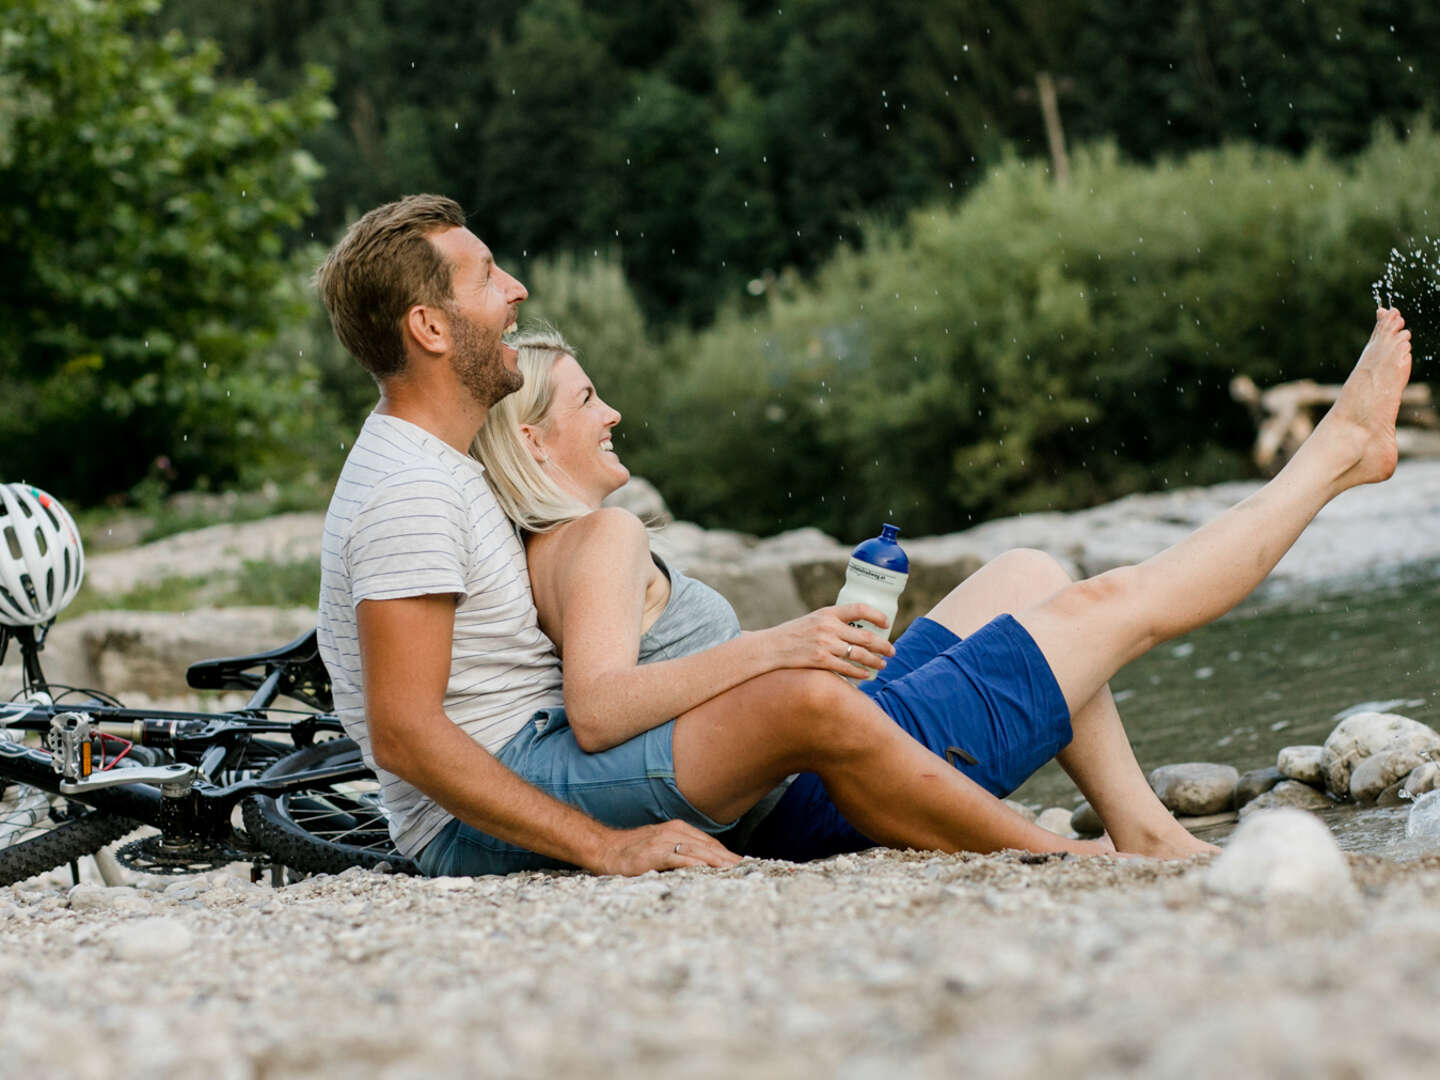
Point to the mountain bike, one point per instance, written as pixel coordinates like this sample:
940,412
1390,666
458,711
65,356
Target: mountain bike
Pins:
278,787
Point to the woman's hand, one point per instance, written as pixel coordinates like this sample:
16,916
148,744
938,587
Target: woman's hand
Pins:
825,639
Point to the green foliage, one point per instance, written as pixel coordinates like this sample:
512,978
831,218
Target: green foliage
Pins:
1031,347
144,206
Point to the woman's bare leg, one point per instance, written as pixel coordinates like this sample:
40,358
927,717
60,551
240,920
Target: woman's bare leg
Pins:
1089,630
1099,758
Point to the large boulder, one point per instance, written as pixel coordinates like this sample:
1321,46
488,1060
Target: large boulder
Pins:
642,499
1302,763
1196,788
1283,855
1365,734
141,656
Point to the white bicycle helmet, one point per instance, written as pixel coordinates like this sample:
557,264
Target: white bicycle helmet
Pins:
41,560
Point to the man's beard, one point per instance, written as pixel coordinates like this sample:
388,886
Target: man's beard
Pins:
478,360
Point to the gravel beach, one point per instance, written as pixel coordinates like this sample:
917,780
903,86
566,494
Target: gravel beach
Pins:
876,965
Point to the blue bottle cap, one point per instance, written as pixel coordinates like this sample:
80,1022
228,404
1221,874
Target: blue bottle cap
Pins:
883,551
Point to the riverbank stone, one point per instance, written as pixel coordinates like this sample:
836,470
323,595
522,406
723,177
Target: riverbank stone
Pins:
1302,763
1379,771
1195,788
1365,734
1282,855
1057,820
1425,778
1288,793
1255,783
1085,821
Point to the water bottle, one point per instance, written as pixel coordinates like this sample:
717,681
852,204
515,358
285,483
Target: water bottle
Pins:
876,576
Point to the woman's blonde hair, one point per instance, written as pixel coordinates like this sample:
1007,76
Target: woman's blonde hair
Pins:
526,493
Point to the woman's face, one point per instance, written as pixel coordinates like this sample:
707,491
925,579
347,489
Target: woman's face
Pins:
576,435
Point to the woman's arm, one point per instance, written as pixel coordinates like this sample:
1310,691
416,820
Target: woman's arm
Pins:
590,578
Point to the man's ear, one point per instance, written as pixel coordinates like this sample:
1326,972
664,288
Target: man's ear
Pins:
530,435
428,327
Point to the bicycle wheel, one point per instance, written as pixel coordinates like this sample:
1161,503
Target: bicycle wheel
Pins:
328,827
40,831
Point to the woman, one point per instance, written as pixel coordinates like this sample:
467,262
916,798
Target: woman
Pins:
995,696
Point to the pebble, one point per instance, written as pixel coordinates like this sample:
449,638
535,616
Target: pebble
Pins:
1057,820
1195,788
1360,736
1287,793
1283,854
118,898
1256,782
151,939
1425,778
1302,763
1378,771
1085,821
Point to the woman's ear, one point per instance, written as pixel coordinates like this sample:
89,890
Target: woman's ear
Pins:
530,435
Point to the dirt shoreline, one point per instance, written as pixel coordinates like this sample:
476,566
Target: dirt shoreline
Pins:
877,965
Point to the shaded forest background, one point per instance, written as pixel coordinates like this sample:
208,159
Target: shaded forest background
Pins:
816,250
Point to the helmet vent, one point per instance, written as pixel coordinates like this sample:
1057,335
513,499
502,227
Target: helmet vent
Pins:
12,542
42,543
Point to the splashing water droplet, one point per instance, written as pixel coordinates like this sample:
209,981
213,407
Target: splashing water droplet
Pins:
1411,282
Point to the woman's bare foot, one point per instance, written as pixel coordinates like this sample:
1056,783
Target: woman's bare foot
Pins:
1360,427
1170,840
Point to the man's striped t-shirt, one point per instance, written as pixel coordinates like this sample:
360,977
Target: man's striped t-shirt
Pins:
412,516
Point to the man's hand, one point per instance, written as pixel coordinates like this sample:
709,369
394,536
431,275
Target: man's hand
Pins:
670,845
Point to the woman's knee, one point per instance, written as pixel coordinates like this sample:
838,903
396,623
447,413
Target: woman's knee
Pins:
824,710
1031,569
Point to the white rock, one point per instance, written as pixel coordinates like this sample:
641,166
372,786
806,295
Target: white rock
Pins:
1358,737
1301,763
1056,820
1424,820
120,898
641,498
1378,771
1425,778
1287,793
1195,788
1283,854
151,939
1020,808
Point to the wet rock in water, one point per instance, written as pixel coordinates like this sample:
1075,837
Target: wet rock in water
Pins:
1392,796
1424,820
1196,788
1287,793
1425,778
1365,734
1283,854
1057,820
1085,821
1378,771
1302,763
1256,782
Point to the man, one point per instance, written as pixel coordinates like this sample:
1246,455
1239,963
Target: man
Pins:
429,633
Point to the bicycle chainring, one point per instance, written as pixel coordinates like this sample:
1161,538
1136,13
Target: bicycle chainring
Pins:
152,855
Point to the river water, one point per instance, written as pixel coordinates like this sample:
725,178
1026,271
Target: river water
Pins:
1280,671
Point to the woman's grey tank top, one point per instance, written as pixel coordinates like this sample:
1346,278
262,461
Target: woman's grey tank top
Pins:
697,617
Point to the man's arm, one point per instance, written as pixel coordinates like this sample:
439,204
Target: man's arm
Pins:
405,647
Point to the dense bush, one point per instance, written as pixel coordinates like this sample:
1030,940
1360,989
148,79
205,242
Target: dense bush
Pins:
144,207
1031,347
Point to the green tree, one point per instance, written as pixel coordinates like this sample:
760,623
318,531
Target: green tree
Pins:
144,210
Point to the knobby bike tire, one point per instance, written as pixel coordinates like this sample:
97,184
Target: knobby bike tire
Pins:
67,841
326,828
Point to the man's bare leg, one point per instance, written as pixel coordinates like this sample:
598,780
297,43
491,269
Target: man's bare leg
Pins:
1099,758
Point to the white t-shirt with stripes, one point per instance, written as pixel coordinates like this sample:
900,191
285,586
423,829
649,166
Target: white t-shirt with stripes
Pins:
412,516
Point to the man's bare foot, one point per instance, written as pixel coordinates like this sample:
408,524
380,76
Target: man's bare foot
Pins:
1360,427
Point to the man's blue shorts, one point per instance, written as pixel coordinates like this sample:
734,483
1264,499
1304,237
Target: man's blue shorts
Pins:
988,704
